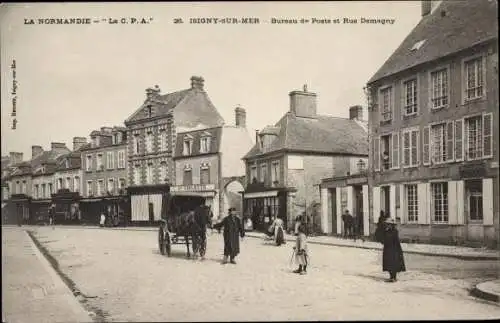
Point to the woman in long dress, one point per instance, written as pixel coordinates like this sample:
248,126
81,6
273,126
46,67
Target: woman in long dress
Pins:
393,260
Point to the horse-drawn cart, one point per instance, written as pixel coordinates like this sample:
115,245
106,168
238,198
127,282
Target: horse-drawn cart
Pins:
183,224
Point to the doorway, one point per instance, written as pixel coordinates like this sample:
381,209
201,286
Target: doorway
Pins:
335,216
358,209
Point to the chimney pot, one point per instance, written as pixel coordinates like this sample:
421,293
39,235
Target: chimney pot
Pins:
197,82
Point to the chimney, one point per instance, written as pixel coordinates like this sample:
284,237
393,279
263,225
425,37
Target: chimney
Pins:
426,6
35,151
356,113
78,142
15,157
106,130
59,147
241,117
153,92
303,103
256,137
197,82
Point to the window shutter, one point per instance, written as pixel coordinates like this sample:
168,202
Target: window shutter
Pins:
366,211
460,202
392,202
449,141
487,135
403,212
452,202
338,194
423,203
406,148
459,140
395,150
426,146
376,204
487,201
376,153
414,148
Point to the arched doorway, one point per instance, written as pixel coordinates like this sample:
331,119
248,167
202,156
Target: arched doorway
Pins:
232,196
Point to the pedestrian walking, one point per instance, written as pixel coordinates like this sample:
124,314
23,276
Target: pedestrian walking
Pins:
301,252
233,229
393,260
348,224
51,214
103,220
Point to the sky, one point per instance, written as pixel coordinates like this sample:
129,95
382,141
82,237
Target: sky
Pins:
72,79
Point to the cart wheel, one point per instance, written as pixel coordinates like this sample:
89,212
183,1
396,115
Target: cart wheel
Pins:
166,245
160,241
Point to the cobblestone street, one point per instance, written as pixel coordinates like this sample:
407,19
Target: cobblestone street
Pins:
122,273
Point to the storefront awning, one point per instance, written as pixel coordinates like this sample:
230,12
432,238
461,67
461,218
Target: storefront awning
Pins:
41,201
260,194
201,194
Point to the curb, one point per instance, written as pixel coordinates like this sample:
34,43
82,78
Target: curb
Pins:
77,308
424,253
477,291
261,236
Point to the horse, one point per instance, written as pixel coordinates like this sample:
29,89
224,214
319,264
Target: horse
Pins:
192,224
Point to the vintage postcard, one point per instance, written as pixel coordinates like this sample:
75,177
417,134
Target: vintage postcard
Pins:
249,161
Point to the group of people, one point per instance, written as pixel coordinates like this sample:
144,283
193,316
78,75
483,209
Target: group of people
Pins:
386,233
352,225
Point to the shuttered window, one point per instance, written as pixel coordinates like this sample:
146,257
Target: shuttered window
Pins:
395,150
426,146
487,135
410,147
414,148
376,153
459,142
188,177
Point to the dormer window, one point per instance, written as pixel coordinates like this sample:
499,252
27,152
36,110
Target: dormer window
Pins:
417,45
205,144
188,146
149,111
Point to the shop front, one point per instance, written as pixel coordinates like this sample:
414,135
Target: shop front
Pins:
66,207
40,211
339,194
18,210
146,204
263,206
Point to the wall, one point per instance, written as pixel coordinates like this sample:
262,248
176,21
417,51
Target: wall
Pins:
95,175
195,163
43,179
72,173
235,143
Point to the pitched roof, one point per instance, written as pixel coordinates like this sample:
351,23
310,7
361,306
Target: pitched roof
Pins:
465,24
323,134
191,107
215,136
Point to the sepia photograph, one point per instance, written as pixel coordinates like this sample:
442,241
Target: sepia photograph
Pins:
250,161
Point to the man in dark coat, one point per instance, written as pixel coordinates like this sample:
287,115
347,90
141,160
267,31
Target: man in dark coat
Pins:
393,260
232,228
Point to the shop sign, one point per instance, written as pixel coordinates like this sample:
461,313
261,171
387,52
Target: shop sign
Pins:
193,188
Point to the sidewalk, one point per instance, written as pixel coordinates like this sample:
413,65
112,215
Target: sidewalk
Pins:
423,249
489,290
465,253
31,289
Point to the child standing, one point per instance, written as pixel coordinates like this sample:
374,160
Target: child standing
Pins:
301,256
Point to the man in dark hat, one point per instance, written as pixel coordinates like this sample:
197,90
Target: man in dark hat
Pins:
393,260
232,228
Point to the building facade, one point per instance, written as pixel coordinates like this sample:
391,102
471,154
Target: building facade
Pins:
290,158
151,133
104,176
433,111
208,166
21,206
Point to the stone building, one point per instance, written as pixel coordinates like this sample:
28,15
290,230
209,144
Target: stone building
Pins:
104,175
7,163
151,133
289,159
433,115
20,180
208,166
